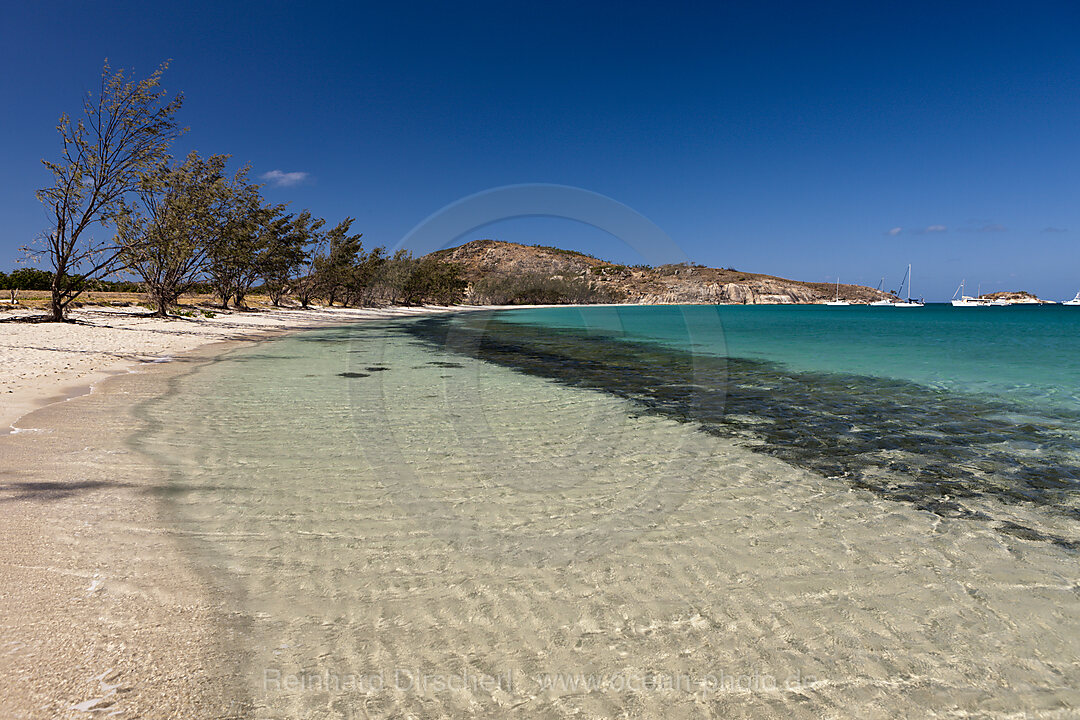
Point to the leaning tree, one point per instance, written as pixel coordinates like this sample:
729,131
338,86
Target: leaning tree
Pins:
124,133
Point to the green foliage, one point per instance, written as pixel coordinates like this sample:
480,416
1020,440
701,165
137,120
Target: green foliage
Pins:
538,289
26,279
386,285
334,270
240,238
124,133
168,233
286,250
434,281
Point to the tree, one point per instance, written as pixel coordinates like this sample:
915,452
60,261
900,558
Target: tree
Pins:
360,284
434,281
125,132
168,232
306,283
388,285
233,260
286,252
333,270
24,279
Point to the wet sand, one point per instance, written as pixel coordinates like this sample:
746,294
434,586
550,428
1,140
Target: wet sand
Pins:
44,362
120,585
101,612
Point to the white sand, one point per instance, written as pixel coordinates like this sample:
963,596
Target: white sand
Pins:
100,612
42,362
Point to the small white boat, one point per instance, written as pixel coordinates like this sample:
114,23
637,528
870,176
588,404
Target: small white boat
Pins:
967,300
838,301
909,302
881,303
1074,301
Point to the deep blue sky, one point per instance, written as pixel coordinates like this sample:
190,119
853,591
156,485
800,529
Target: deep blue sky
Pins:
774,137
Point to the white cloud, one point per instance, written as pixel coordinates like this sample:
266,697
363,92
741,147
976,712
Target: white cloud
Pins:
1053,229
894,231
278,178
935,228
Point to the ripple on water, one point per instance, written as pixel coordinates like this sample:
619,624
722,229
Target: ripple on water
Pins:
497,521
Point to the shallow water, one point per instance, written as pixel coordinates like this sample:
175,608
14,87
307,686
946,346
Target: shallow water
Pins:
514,513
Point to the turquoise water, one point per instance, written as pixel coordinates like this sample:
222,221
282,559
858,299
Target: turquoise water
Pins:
891,400
642,512
1028,353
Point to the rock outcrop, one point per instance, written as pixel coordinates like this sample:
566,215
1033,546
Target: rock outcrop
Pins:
1017,297
664,285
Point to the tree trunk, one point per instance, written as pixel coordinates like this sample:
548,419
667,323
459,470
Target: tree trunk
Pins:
57,305
160,303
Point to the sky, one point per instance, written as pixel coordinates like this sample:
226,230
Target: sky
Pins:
806,140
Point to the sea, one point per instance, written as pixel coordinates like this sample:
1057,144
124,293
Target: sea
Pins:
641,511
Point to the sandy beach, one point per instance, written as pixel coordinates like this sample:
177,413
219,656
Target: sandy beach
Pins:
301,527
43,362
102,614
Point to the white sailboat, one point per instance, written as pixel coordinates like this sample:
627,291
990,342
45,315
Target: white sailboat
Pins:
881,303
838,301
909,302
1074,301
967,300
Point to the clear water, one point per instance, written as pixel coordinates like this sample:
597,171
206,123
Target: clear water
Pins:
1025,353
648,512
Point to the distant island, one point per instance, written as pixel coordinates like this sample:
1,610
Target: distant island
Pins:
506,273
1018,297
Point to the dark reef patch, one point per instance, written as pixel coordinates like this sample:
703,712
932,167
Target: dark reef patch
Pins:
903,441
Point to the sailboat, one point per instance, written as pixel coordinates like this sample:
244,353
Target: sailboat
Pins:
838,301
993,303
967,300
1074,301
909,302
881,303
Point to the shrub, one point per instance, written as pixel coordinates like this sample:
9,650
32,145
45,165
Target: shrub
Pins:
538,289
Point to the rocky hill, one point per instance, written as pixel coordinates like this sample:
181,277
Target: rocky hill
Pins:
1017,297
667,284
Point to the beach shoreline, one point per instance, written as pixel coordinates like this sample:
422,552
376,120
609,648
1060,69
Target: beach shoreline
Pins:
169,549
44,363
103,612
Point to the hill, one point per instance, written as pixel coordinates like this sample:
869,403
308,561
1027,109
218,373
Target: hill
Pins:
1015,297
484,262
